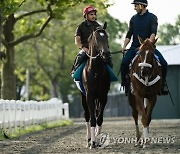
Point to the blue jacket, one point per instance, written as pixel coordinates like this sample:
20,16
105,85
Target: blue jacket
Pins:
142,25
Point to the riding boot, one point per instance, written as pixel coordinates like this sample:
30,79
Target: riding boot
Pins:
164,90
78,61
125,84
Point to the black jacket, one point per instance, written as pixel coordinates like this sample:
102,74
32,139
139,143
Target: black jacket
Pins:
84,30
142,25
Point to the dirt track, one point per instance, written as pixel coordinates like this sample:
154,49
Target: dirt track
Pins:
71,139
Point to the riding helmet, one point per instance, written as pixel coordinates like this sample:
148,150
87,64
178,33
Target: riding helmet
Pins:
88,9
143,2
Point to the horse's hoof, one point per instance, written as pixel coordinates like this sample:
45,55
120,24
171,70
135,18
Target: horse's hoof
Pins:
137,144
145,146
92,145
88,143
97,141
146,143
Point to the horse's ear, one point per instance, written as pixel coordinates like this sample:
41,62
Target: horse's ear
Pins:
140,40
155,40
105,25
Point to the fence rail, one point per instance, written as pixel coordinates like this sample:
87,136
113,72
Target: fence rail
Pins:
19,113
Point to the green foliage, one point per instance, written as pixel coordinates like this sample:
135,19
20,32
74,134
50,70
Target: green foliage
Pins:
9,6
56,39
49,57
169,34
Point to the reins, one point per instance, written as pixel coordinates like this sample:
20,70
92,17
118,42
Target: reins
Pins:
93,57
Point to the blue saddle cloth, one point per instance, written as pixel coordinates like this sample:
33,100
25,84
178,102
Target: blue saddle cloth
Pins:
78,73
78,76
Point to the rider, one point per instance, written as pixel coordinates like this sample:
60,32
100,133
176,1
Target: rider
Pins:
145,25
82,34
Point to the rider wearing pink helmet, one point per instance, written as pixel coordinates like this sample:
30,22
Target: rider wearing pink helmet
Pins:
88,9
82,34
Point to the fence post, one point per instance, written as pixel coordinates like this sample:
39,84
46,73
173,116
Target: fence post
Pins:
66,110
15,114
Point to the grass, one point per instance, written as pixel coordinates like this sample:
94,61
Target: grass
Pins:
4,134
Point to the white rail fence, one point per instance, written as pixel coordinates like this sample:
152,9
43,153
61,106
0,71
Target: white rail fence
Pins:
15,114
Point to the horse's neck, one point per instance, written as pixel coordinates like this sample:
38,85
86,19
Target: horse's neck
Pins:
96,66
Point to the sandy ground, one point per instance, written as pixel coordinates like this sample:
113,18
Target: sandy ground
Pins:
119,138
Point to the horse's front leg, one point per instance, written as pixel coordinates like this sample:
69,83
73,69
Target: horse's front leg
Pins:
91,105
87,119
103,102
146,118
150,105
133,103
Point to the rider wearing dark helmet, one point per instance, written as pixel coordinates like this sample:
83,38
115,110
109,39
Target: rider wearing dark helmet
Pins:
82,34
143,24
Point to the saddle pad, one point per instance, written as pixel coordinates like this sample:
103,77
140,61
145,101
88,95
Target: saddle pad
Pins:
78,73
80,87
113,77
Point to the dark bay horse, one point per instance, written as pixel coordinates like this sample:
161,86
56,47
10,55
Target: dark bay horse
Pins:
96,82
146,80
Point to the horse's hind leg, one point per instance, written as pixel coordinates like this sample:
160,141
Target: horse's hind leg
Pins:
100,115
87,119
149,109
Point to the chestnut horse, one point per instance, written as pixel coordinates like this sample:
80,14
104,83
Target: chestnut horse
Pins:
146,80
96,82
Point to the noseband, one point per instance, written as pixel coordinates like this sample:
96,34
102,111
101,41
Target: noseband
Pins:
145,81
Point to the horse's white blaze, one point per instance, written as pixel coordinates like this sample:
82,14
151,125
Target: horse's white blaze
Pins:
88,130
146,56
102,34
144,64
93,134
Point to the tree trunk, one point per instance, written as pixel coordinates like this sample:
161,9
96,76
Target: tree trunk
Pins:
8,87
0,37
54,92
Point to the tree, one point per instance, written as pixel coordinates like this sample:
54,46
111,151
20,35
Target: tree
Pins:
11,15
169,34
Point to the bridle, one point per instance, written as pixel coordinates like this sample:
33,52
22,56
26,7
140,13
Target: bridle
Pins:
144,64
100,51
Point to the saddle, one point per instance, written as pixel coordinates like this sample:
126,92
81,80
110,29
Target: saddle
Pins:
78,76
